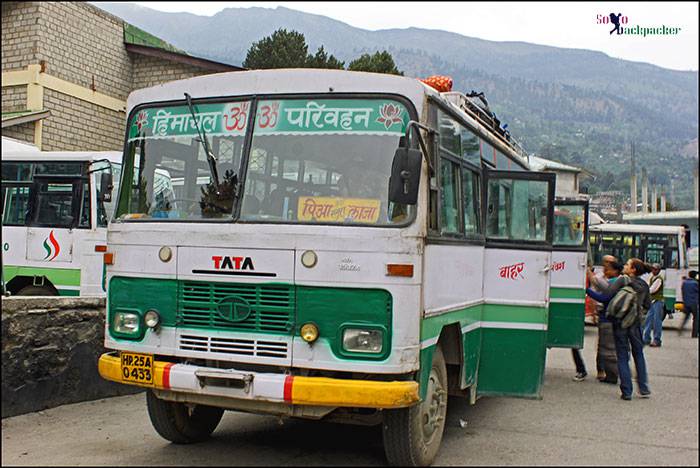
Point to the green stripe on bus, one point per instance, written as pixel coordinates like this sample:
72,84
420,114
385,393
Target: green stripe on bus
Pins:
567,293
514,313
57,276
68,292
431,326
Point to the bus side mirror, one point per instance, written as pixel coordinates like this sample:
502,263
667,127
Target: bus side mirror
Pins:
106,186
405,176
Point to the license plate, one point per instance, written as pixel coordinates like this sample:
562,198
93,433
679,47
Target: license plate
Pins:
137,368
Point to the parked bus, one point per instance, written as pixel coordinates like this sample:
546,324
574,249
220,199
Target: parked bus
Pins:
55,207
568,271
651,243
339,245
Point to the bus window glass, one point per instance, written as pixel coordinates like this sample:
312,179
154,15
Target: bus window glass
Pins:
16,172
54,204
15,205
59,168
503,163
449,207
487,152
167,168
471,194
336,158
450,134
517,210
470,146
569,226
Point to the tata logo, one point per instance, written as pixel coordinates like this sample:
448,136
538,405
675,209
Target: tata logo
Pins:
233,309
232,263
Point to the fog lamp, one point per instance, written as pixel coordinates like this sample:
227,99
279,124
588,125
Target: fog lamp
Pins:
309,332
152,319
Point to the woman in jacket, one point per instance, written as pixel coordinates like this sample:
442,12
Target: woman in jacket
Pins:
631,336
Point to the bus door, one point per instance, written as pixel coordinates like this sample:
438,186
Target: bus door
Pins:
518,214
568,275
56,209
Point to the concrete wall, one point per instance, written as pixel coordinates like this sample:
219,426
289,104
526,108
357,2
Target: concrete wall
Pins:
50,348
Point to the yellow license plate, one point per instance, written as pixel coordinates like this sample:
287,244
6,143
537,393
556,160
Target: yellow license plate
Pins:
137,368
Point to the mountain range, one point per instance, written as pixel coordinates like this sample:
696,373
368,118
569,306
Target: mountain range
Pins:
576,106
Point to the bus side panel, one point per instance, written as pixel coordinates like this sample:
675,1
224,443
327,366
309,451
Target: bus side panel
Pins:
567,300
514,322
452,295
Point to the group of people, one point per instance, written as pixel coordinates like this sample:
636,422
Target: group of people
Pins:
629,310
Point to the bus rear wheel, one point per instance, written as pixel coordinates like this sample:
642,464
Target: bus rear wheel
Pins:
36,291
412,435
182,423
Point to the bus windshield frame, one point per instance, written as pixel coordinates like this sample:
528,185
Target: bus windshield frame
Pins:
237,172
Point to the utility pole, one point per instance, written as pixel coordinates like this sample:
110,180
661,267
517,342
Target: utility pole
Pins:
633,184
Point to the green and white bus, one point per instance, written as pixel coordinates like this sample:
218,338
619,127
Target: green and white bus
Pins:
651,243
55,208
339,245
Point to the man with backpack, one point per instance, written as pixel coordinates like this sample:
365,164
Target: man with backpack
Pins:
656,315
629,301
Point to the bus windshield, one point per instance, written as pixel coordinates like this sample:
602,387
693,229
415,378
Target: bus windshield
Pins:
45,194
322,161
664,249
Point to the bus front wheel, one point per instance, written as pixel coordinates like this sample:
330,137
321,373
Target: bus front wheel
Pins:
412,435
182,423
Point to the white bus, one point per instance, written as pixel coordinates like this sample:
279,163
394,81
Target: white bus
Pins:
650,243
340,245
55,208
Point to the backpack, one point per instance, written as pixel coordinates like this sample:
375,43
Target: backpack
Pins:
625,307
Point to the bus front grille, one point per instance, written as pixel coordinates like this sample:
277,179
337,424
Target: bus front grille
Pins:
261,308
235,346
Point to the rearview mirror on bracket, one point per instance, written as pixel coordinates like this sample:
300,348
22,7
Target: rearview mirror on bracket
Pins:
405,176
106,186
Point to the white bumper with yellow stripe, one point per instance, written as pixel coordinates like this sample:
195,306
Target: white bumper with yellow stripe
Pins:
270,387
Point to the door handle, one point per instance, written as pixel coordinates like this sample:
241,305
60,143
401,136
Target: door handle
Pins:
546,269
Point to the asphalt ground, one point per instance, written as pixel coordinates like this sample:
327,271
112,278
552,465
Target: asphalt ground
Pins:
576,423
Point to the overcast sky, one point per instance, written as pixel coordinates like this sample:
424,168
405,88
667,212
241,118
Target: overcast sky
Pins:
560,24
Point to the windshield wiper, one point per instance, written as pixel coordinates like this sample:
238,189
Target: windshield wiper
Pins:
211,159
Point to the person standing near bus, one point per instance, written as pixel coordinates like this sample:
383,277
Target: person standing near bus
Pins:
630,337
606,357
655,316
689,289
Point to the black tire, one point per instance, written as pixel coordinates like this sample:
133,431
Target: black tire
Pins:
412,436
36,291
182,423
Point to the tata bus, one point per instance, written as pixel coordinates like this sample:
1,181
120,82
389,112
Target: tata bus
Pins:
344,246
651,243
55,209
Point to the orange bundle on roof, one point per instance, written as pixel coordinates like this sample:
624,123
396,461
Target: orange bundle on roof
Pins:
440,82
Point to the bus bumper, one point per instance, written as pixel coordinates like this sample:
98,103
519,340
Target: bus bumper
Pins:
275,388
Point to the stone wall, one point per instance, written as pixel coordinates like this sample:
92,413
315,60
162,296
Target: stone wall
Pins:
76,125
79,42
20,35
50,348
151,71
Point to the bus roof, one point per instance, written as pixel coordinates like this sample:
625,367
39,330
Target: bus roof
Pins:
284,81
641,228
42,156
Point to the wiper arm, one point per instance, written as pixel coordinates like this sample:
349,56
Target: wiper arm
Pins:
211,159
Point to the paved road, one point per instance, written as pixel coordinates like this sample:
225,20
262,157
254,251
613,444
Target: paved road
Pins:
576,423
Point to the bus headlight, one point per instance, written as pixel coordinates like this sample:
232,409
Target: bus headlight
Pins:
151,318
359,340
127,323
